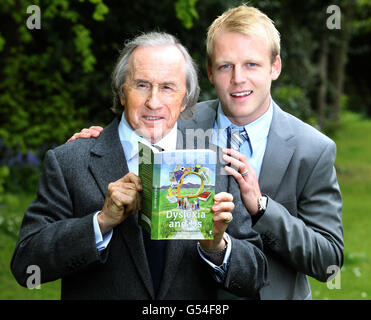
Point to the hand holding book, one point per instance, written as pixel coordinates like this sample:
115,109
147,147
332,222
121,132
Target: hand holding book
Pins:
222,208
123,198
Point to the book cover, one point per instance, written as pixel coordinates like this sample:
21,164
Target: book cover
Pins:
178,193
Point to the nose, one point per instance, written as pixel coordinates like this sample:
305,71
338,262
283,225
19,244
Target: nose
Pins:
238,75
154,100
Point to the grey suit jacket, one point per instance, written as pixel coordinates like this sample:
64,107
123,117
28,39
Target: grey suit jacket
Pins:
301,228
57,235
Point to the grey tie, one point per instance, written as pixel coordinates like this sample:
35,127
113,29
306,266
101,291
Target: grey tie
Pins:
235,138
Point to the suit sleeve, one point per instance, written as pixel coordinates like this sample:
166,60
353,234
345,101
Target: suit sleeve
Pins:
311,240
247,270
50,236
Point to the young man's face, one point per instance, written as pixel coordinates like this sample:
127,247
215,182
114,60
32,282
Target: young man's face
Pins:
242,72
154,90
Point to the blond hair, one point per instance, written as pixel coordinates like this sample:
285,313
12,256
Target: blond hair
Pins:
248,21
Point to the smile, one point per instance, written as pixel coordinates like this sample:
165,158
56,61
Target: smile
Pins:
242,94
152,118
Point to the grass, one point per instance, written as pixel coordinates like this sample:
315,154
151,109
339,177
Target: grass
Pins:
354,173
11,213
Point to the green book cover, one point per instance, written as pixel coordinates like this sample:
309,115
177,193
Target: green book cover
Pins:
178,193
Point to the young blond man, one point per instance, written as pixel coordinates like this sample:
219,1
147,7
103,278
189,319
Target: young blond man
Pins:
285,170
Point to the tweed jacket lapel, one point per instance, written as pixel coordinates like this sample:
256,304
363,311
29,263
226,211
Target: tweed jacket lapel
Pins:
107,160
108,164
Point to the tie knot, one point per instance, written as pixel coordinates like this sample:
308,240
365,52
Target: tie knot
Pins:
236,137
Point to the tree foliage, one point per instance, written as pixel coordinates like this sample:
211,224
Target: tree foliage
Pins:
44,71
56,79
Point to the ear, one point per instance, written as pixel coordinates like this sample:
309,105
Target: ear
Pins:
276,68
122,100
122,96
209,72
182,108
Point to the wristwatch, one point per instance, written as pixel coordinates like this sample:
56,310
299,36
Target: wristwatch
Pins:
262,204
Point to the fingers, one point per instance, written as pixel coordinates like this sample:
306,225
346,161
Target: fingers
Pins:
129,187
223,207
223,201
78,135
127,192
72,138
235,154
223,196
95,131
240,166
236,159
236,174
88,133
125,196
132,178
224,218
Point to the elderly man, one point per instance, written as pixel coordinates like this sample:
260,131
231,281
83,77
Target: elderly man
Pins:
83,225
284,167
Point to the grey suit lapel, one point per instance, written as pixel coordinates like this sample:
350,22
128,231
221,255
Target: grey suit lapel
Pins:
108,164
278,153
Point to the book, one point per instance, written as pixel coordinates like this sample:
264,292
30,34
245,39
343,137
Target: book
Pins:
178,192
204,196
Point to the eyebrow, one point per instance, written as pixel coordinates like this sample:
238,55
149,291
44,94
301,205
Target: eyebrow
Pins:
167,83
247,60
140,80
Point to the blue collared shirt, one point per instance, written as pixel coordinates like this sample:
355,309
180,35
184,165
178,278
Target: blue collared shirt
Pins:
257,130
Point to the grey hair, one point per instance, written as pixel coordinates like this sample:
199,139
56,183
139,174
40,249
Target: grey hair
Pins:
153,39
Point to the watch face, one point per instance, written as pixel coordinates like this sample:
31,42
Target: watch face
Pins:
262,203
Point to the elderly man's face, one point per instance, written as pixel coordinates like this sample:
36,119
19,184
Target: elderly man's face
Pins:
154,90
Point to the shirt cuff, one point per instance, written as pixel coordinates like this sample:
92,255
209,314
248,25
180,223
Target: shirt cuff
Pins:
220,271
255,218
101,241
